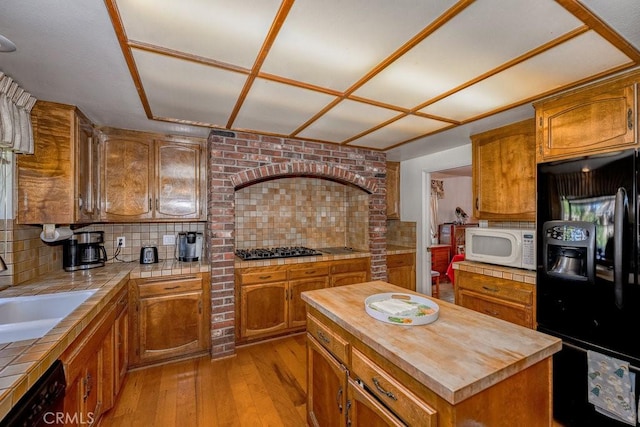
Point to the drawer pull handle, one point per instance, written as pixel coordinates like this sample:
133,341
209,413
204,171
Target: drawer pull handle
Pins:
168,288
339,399
310,272
486,288
264,277
323,337
492,313
389,394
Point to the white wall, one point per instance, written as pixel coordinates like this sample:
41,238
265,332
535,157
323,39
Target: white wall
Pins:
415,186
458,192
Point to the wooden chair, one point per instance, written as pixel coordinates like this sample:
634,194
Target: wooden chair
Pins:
435,280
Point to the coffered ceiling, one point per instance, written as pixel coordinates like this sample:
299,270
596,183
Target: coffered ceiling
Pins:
387,75
367,73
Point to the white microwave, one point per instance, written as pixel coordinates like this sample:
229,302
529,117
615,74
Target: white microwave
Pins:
501,246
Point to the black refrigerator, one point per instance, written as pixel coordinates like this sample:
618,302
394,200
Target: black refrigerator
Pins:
587,274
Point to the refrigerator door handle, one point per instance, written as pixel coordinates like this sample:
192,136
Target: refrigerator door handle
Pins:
619,225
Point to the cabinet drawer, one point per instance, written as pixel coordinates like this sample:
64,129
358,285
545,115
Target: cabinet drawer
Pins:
505,310
400,260
262,277
347,266
336,345
301,273
150,287
495,287
407,406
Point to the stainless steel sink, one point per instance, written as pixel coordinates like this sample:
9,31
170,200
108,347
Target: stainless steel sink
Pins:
30,317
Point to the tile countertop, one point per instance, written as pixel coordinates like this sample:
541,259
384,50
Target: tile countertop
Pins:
457,356
23,362
509,273
397,249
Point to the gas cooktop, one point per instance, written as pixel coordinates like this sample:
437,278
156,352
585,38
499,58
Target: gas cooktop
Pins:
270,253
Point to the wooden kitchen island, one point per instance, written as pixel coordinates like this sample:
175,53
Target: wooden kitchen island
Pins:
464,369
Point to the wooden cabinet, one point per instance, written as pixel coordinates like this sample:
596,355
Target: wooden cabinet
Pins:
90,366
401,270
145,178
440,258
501,298
504,173
268,299
58,184
594,119
171,318
393,190
345,388
350,271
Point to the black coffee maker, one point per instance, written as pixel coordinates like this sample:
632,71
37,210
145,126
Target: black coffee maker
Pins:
84,250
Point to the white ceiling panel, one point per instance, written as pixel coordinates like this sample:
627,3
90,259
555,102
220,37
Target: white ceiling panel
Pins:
347,119
582,57
230,31
183,90
623,16
399,131
478,38
279,108
333,43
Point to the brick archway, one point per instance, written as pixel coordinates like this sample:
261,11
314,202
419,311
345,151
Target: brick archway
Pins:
240,159
319,170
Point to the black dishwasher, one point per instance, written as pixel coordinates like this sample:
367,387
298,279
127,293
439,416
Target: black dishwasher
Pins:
43,403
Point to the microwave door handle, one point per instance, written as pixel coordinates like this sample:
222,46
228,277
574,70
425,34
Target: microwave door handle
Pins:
619,220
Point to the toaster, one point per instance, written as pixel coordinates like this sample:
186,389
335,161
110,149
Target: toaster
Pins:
148,255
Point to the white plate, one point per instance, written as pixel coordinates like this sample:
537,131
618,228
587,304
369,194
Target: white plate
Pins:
426,311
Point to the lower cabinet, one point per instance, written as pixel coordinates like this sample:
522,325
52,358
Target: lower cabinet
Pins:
93,376
505,299
268,301
401,270
346,388
170,318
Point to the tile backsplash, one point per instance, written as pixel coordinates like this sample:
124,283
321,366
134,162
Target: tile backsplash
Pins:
301,211
28,257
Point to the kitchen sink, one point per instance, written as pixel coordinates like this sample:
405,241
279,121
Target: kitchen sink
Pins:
30,317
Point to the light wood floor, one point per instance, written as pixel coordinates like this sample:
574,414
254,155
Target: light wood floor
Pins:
263,385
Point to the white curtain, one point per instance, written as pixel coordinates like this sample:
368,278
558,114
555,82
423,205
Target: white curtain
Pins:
437,192
16,133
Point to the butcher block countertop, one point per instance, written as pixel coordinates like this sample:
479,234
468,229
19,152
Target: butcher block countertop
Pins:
459,355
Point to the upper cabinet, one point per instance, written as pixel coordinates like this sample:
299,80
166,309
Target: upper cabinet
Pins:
147,177
504,173
593,119
58,184
393,190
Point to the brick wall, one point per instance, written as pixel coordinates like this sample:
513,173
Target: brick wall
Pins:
237,160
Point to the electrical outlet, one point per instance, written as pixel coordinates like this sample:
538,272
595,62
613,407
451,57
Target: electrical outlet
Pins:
120,242
169,239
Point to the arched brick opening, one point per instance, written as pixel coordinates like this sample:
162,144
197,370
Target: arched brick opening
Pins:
239,159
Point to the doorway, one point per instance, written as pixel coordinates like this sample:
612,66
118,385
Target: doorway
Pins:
449,200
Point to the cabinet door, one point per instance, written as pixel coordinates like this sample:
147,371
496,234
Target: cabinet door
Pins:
177,183
127,176
599,119
264,309
366,411
393,190
297,307
326,387
504,173
121,353
170,325
401,270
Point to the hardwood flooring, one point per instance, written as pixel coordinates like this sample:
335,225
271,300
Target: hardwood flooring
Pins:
263,385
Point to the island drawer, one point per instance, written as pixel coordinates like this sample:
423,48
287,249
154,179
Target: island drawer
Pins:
400,400
496,287
334,343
